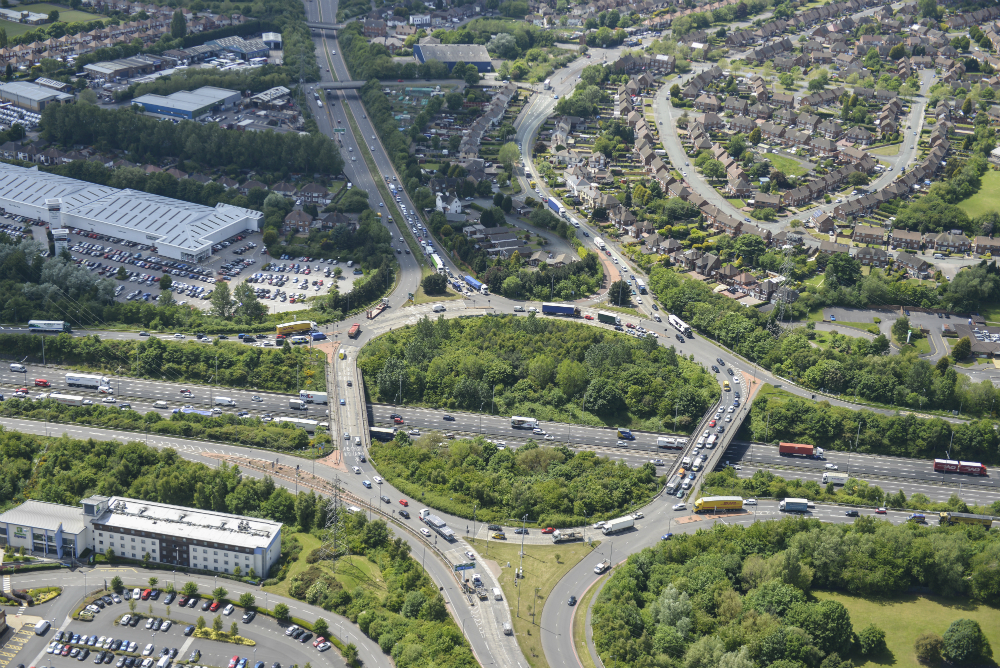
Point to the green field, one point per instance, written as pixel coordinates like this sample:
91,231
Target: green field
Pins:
906,617
891,149
308,543
789,166
987,199
65,15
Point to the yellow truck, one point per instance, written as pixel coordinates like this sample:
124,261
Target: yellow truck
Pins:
718,503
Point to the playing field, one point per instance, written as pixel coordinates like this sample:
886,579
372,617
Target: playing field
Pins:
789,166
987,199
65,15
906,617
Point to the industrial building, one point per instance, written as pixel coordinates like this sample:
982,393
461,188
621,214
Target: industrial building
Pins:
449,54
202,539
272,40
178,230
188,104
31,96
244,48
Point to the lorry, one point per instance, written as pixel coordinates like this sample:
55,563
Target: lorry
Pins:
564,535
603,566
620,524
718,503
87,381
187,410
835,478
674,484
438,524
560,309
608,318
314,397
668,443
804,449
557,207
599,242
354,331
68,399
224,401
297,404
793,505
473,283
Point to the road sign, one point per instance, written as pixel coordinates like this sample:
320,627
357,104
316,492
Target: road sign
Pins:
466,566
339,131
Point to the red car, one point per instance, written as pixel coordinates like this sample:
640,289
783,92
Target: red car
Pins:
404,502
880,511
548,530
399,80
712,423
319,641
588,317
233,661
215,606
398,420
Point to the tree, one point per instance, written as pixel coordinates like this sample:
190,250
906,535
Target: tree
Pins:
54,15
219,593
497,199
620,292
897,52
749,247
121,274
166,281
217,624
153,582
281,612
222,300
234,629
675,91
454,100
86,96
200,623
714,169
117,584
754,137
966,644
858,179
247,601
900,328
928,648
320,627
189,589
962,349
843,269
178,27
435,284
871,640
249,309
507,204
351,654
508,156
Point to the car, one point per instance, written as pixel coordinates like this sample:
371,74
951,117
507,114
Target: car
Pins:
666,536
150,622
852,513
248,616
833,318
880,511
148,649
206,605
425,531
749,502
51,647
124,620
319,641
193,602
233,661
255,398
520,530
304,638
572,600
116,598
712,423
637,515
385,499
404,502
356,469
404,514
831,467
449,418
215,606
188,630
325,646
195,655
343,402
378,480
108,400
367,484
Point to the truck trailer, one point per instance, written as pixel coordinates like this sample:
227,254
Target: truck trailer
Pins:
804,449
674,484
620,524
473,283
560,309
706,503
68,399
608,318
966,518
952,466
438,524
793,505
565,535
839,479
87,381
314,397
599,242
354,331
557,207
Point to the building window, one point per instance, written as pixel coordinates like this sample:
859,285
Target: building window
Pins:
133,555
143,541
216,561
100,542
133,539
216,568
215,552
226,562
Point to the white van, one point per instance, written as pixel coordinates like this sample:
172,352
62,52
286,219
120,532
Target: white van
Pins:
297,404
41,627
17,368
224,401
438,308
497,594
161,404
163,662
350,263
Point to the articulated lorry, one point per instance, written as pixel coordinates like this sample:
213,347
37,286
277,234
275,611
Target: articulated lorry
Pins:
557,207
836,478
718,503
87,381
314,397
68,399
804,449
438,524
793,505
620,524
565,535
608,318
560,309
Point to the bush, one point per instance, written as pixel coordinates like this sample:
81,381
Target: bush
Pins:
965,643
871,640
928,648
435,284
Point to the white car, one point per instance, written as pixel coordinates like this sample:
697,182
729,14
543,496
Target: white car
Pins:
414,432
680,506
93,608
598,525
229,610
124,620
108,400
136,593
425,531
470,555
356,469
148,649
621,444
378,480
750,502
178,336
637,515
166,625
831,467
51,648
549,437
150,622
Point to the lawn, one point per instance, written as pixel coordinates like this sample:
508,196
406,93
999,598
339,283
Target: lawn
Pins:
580,623
865,326
921,345
308,543
738,203
816,280
906,617
16,29
421,297
620,309
891,149
65,15
986,199
352,570
544,566
789,166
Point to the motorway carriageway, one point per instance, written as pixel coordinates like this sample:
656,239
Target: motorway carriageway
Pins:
889,473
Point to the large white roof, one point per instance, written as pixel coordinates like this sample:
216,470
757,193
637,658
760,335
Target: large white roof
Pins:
45,515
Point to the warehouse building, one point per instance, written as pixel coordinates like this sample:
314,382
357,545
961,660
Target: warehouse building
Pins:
244,48
188,104
202,539
449,54
178,230
31,96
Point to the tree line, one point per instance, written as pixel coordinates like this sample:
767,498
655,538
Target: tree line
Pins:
539,367
147,139
746,596
550,486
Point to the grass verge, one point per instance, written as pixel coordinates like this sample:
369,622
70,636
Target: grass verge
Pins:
986,199
891,149
544,566
921,345
580,624
421,297
906,617
309,543
789,166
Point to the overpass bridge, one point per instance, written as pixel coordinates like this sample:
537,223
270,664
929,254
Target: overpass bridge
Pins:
318,25
340,85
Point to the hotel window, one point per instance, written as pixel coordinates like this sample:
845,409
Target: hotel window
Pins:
216,561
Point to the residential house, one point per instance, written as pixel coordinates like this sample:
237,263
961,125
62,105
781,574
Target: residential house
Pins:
297,221
859,135
905,239
914,265
315,193
831,247
872,257
988,245
868,234
948,243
